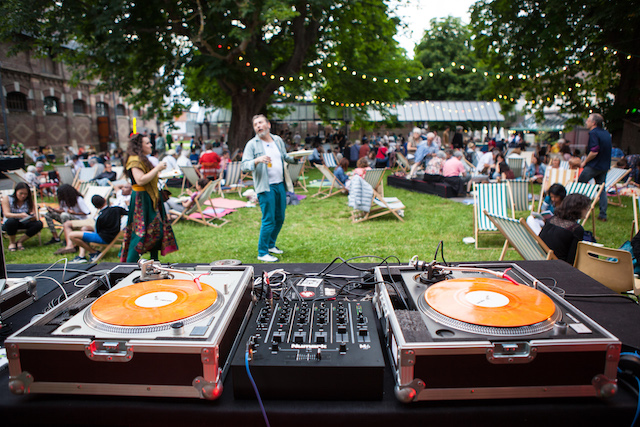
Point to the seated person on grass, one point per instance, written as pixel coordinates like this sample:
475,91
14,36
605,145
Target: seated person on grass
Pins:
107,228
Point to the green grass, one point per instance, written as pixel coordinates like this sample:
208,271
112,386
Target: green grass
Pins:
317,231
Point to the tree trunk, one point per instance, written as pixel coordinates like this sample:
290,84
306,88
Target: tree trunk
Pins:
627,97
245,105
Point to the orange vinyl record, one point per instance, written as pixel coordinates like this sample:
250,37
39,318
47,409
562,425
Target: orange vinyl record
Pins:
153,303
489,302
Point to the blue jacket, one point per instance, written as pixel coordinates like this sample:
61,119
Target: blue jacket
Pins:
601,140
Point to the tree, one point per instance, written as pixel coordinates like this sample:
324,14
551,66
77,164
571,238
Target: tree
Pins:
583,55
447,41
227,53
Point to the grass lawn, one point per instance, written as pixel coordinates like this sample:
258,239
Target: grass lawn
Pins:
317,231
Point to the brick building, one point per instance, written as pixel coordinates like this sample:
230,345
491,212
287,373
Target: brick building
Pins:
43,108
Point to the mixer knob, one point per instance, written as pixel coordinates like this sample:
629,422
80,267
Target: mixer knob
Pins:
343,348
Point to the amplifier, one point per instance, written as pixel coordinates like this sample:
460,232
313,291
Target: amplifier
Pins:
309,349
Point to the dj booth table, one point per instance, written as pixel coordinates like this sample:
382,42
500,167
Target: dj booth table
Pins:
621,317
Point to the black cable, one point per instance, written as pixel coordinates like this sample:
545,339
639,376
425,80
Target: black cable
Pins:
601,296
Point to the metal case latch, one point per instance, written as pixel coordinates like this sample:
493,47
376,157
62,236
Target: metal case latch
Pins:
109,351
511,352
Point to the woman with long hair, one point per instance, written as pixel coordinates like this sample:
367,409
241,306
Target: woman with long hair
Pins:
562,232
19,212
71,207
148,228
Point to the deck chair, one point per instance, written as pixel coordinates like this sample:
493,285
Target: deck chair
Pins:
402,163
17,176
86,174
527,155
296,172
518,234
233,180
330,160
636,211
493,198
380,205
520,191
611,267
614,176
190,177
564,164
199,207
119,170
93,190
106,248
335,186
517,166
553,176
65,174
592,191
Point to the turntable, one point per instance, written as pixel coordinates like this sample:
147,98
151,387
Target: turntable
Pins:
474,331
159,332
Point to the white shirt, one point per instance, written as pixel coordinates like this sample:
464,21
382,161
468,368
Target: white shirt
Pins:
276,172
485,160
172,163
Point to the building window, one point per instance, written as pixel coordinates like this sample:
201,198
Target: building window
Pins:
79,106
102,109
16,101
120,110
51,105
49,66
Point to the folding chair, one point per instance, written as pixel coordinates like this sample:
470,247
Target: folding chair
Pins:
17,176
564,164
65,174
330,160
518,234
105,248
233,179
592,191
614,176
198,208
296,172
527,155
190,175
86,174
402,163
611,267
335,184
119,170
636,209
380,205
553,176
517,166
492,198
93,190
520,192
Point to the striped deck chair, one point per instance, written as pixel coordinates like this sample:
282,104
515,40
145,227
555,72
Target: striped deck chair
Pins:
190,177
296,172
517,166
564,164
380,205
330,160
493,198
553,176
592,191
518,234
520,191
614,176
65,174
233,178
402,163
199,207
335,187
527,155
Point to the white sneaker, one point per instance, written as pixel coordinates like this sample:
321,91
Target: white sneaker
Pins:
275,250
267,258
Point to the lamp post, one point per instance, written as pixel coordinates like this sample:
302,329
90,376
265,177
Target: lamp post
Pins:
206,123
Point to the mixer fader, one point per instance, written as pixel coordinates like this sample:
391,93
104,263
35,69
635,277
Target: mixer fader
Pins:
311,350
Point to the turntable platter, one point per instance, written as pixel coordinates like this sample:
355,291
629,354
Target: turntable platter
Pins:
489,302
153,303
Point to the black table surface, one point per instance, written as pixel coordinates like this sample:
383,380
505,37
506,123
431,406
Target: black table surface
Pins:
621,317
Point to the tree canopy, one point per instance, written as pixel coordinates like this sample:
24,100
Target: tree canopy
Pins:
447,41
225,53
583,55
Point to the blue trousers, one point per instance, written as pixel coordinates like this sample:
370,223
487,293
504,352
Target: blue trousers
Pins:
273,204
598,176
